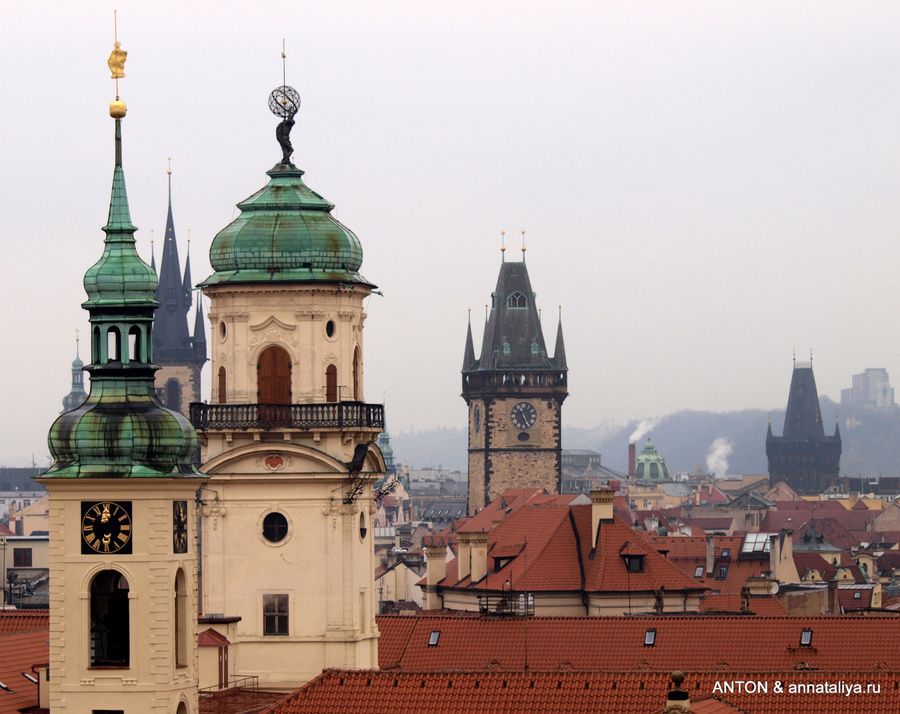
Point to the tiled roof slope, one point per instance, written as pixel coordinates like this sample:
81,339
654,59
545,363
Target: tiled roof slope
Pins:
366,691
14,622
694,643
557,555
18,654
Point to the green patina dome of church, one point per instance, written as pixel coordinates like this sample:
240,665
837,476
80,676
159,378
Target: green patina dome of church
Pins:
285,233
650,465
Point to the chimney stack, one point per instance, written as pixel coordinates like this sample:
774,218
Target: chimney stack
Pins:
436,570
632,460
678,699
601,510
710,555
834,603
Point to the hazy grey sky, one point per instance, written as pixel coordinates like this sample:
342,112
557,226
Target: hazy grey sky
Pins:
705,186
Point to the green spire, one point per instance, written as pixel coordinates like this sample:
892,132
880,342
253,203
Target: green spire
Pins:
121,430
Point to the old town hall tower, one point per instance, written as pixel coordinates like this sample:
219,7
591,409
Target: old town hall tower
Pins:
514,392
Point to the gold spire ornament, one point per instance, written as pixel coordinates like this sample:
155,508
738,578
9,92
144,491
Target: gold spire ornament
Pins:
116,64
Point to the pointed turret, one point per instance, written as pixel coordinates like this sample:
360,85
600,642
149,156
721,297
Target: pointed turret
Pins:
559,351
77,395
469,356
180,357
199,326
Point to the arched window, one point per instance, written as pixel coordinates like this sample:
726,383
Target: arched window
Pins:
96,357
134,344
181,623
113,345
273,376
221,389
331,390
110,622
356,374
173,395
517,301
182,708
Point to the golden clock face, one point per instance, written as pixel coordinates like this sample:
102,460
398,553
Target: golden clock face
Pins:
105,527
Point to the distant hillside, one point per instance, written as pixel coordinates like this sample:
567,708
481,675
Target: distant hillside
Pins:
871,441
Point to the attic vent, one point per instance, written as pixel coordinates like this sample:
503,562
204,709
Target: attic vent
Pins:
433,638
806,638
650,638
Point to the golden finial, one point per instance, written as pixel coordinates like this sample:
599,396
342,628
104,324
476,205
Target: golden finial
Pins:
170,166
116,64
189,235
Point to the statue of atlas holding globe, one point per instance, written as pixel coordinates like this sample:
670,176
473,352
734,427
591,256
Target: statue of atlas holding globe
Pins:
284,102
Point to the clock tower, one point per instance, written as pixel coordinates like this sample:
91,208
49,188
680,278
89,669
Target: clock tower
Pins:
123,548
514,392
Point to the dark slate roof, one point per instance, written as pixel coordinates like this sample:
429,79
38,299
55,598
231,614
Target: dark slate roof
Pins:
513,338
803,417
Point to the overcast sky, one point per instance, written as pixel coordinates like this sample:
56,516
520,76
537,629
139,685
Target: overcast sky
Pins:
705,186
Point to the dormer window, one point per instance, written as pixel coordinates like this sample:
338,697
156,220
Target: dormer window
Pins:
517,301
722,572
634,563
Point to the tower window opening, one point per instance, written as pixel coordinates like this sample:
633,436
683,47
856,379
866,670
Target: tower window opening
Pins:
517,301
329,328
95,347
134,344
181,623
221,389
113,345
356,374
331,389
173,394
110,623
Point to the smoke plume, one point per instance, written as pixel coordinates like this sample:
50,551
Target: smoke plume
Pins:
717,457
642,429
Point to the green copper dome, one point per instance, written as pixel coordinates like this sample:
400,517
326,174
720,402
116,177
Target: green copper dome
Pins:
121,430
650,465
285,233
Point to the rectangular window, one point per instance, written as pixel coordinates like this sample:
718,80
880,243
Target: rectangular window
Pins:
698,571
650,638
21,557
722,572
275,615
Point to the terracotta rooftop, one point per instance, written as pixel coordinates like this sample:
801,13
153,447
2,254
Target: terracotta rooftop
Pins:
693,643
19,621
364,692
18,654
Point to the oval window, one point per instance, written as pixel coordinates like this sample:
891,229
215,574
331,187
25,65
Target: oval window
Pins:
275,527
329,328
222,330
362,526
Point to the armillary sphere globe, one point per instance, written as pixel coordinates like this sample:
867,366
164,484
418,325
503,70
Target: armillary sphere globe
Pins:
284,101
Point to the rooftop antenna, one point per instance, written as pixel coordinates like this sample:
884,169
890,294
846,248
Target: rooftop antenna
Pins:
523,245
502,246
283,63
77,353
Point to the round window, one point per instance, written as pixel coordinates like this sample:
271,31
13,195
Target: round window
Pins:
275,527
329,328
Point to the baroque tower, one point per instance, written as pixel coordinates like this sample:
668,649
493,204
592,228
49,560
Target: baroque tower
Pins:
180,355
804,457
288,440
514,392
77,394
123,549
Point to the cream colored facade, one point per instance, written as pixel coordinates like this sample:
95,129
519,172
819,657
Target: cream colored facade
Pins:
306,600
154,621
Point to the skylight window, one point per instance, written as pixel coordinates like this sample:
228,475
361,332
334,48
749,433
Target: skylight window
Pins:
756,542
726,552
650,638
806,638
433,638
698,571
722,572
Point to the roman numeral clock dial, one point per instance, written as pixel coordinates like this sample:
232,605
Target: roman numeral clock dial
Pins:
105,527
523,415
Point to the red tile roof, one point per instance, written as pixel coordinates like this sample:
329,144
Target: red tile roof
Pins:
693,643
364,692
18,654
732,602
6,531
18,621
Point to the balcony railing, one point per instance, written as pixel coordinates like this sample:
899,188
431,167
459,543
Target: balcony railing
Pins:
308,417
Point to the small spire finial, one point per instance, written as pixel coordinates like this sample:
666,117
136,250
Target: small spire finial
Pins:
523,245
503,246
170,166
77,339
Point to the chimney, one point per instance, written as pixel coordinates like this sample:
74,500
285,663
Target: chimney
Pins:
632,460
479,545
678,699
436,570
463,555
710,555
781,557
601,510
834,604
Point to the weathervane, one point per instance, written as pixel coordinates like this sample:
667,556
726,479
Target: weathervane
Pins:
284,102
